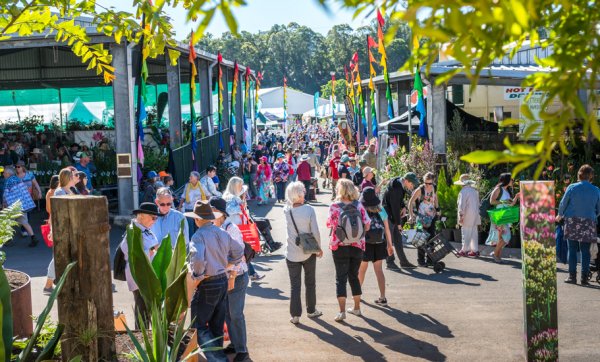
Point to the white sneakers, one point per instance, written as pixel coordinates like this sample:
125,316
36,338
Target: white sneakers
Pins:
315,314
356,312
338,318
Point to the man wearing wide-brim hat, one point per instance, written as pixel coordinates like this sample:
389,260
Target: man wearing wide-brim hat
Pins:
468,216
145,217
211,250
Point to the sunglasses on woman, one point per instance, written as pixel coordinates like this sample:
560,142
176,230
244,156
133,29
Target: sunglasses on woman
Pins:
165,204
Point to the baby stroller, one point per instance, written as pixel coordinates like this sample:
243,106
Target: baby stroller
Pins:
264,228
436,248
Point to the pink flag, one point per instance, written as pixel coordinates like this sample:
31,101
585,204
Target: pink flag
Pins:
140,152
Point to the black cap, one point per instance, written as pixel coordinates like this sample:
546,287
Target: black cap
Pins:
149,208
369,197
219,203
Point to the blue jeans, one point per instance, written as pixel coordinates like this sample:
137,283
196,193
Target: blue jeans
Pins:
585,257
209,306
280,190
236,322
251,270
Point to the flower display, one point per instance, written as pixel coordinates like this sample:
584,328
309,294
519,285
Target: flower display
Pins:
539,269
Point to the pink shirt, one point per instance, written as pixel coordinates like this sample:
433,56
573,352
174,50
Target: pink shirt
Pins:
332,223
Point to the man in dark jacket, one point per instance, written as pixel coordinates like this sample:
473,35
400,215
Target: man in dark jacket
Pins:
394,204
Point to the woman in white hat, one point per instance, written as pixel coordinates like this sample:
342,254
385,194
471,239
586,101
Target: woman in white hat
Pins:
468,216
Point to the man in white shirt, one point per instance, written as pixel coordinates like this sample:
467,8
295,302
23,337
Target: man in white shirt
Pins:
208,184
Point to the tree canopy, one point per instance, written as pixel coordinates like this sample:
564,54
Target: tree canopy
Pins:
474,32
304,56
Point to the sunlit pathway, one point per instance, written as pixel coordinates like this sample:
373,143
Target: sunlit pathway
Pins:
470,312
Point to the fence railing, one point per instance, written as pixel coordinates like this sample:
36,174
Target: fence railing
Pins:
207,151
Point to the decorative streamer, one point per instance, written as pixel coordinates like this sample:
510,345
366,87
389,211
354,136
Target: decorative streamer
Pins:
418,86
246,100
220,100
383,62
371,44
234,86
193,129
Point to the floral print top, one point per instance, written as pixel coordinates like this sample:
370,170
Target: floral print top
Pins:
281,170
332,223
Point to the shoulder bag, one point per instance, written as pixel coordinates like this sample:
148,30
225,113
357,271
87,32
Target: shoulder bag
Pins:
306,241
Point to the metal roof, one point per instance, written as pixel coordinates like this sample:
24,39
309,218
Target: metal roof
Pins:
506,71
40,61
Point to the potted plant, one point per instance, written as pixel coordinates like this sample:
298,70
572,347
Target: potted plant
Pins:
29,351
162,284
447,199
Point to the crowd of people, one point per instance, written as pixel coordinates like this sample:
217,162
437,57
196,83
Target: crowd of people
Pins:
367,218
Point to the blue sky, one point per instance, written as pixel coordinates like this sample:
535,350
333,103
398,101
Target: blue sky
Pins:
261,15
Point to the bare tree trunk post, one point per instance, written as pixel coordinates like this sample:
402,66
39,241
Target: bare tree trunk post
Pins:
80,230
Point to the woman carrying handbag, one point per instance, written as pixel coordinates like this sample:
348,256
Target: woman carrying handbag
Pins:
303,248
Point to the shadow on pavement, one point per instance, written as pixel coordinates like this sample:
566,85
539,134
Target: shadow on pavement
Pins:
419,322
400,342
447,276
257,290
510,262
352,345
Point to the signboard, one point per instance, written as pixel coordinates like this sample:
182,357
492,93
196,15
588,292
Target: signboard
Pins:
516,93
349,110
535,105
123,165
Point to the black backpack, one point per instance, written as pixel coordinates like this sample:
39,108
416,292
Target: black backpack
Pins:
376,231
119,264
357,179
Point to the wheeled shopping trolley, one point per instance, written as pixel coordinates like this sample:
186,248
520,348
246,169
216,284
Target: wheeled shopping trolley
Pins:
436,248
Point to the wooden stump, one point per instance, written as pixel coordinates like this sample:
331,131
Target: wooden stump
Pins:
85,304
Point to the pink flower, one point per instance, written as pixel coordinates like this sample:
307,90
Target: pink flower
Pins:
98,136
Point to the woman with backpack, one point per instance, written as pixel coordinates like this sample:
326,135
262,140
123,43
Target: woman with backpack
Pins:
425,200
348,221
500,197
378,241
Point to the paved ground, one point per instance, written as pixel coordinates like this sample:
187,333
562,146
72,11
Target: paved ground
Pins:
471,311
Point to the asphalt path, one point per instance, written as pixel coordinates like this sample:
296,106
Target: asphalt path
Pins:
473,311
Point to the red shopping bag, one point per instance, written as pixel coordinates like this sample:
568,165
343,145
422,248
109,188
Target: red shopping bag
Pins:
46,234
250,232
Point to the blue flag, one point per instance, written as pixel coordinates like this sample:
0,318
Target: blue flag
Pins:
420,105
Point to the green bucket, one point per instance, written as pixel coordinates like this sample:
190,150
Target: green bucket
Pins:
505,215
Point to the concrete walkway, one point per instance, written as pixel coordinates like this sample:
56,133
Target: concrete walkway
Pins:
472,311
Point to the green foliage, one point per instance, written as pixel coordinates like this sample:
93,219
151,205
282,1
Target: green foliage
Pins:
155,159
419,160
305,56
340,90
162,284
448,197
8,215
481,31
24,355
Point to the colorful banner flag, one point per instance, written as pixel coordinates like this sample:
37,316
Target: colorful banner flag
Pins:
332,97
383,62
246,101
284,99
193,129
220,99
141,103
234,87
347,80
418,86
316,101
371,44
258,79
